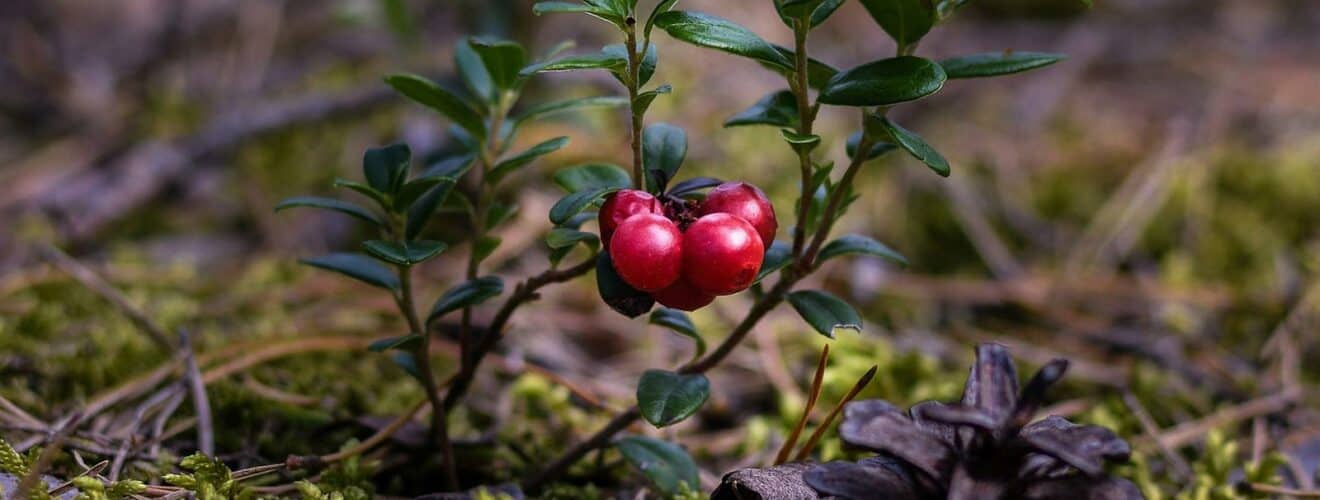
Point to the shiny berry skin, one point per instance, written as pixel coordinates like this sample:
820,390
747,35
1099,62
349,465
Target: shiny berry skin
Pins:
721,254
682,295
746,201
621,205
647,250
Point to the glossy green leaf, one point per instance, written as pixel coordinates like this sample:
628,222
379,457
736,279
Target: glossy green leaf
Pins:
664,147
466,294
649,62
824,11
679,322
402,343
906,21
427,93
502,58
570,205
602,13
877,150
660,8
825,312
644,99
797,9
600,60
778,109
404,253
884,82
406,361
356,266
509,165
721,34
592,176
421,210
778,256
918,148
802,143
343,207
997,63
386,167
666,398
665,464
860,245
566,105
617,294
380,198
416,188
690,186
562,237
485,246
473,71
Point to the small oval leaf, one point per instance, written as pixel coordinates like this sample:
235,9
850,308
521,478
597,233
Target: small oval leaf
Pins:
825,312
356,266
666,398
884,82
777,257
343,207
572,204
467,294
914,145
997,63
664,463
679,322
431,95
592,176
779,109
721,34
405,253
508,166
402,343
863,245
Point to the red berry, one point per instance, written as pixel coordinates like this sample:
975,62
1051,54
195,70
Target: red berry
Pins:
682,295
746,201
647,250
721,254
621,205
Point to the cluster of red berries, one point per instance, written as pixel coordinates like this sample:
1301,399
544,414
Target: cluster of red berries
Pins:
683,252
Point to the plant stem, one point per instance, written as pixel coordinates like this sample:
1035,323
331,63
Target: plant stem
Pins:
633,83
422,358
801,88
832,206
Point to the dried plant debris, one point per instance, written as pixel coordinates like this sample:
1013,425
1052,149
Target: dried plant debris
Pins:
985,446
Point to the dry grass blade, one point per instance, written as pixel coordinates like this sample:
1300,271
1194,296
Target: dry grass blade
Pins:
96,284
805,452
68,485
1180,465
33,478
201,404
806,411
1187,432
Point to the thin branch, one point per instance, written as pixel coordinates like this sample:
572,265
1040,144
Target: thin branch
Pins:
1187,432
201,404
1181,468
97,285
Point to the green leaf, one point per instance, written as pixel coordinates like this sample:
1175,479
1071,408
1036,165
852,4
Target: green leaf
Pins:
343,207
645,99
504,168
466,294
406,361
679,322
473,71
485,246
664,147
825,312
601,60
800,142
500,213
649,62
858,244
427,93
688,186
570,205
877,150
420,211
818,73
667,398
592,176
997,63
555,107
405,253
777,257
918,148
778,109
797,9
402,343
824,11
380,198
721,34
660,8
622,298
602,13
665,464
356,266
416,188
562,237
502,58
884,82
906,21
386,167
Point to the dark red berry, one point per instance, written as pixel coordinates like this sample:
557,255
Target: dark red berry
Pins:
746,201
721,254
621,205
682,295
647,250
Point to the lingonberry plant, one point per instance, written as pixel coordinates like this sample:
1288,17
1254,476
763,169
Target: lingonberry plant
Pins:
680,243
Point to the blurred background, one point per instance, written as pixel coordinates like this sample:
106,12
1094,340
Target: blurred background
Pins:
1149,208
